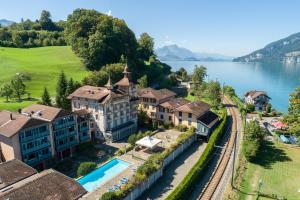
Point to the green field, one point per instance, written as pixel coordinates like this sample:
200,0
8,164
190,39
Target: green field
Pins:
43,65
278,166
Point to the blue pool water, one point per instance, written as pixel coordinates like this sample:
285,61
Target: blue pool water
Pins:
99,176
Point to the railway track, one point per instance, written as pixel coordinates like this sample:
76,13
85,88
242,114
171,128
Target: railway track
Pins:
214,181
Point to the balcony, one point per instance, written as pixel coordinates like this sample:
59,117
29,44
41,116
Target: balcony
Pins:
35,148
34,137
64,125
65,134
66,145
38,159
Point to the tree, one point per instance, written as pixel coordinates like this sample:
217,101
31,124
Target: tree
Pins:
182,74
18,86
97,78
46,99
294,102
70,87
229,91
214,93
6,91
143,82
145,46
85,168
46,22
253,135
99,39
200,72
61,91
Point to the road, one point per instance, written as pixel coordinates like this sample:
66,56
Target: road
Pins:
175,172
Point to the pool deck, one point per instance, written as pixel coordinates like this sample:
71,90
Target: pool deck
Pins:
168,137
128,173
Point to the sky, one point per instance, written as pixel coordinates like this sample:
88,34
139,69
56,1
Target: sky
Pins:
229,27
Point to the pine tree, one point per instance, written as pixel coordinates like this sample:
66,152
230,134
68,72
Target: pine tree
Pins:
61,91
46,99
70,87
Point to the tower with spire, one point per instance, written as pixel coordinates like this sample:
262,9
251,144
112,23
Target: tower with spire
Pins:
126,84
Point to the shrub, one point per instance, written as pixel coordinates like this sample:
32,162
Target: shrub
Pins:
182,128
132,139
85,168
250,108
110,196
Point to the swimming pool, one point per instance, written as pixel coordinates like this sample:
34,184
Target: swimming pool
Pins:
104,173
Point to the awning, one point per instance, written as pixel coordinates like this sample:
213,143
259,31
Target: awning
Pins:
279,124
149,142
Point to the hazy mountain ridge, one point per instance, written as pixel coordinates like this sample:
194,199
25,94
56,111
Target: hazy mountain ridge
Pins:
283,50
174,52
5,22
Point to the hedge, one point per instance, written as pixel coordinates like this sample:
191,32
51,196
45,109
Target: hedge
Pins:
152,164
185,188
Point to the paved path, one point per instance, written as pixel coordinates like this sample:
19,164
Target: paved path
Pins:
175,172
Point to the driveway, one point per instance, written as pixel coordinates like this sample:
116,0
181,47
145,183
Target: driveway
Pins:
175,172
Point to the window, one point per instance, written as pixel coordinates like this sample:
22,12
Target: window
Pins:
97,117
71,139
42,129
84,134
92,125
190,115
180,114
71,129
84,124
180,121
161,116
170,118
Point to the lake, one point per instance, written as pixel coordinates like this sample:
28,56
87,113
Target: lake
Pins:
277,79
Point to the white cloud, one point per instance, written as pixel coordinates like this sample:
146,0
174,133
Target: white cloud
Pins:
109,13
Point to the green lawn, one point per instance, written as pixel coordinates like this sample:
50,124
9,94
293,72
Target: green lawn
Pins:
43,65
278,166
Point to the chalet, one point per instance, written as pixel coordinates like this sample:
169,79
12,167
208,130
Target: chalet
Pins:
259,99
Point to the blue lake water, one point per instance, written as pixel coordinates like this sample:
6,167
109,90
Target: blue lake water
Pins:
104,173
277,79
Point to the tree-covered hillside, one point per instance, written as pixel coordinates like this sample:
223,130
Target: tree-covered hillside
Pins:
286,49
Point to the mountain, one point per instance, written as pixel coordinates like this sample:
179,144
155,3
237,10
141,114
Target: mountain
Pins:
5,22
174,52
284,50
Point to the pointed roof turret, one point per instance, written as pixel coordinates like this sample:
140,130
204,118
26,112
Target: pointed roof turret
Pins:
109,84
126,71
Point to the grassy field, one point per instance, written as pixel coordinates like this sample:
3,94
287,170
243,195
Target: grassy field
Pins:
278,166
43,65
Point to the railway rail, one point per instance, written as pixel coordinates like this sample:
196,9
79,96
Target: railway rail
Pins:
228,148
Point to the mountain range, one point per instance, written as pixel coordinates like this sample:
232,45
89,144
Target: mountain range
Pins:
5,22
285,50
176,53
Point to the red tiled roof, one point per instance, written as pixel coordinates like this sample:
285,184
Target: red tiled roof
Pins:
198,108
13,171
100,94
253,94
47,185
156,94
12,123
174,103
45,112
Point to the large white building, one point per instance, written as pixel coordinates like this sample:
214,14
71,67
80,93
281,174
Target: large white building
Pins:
113,108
